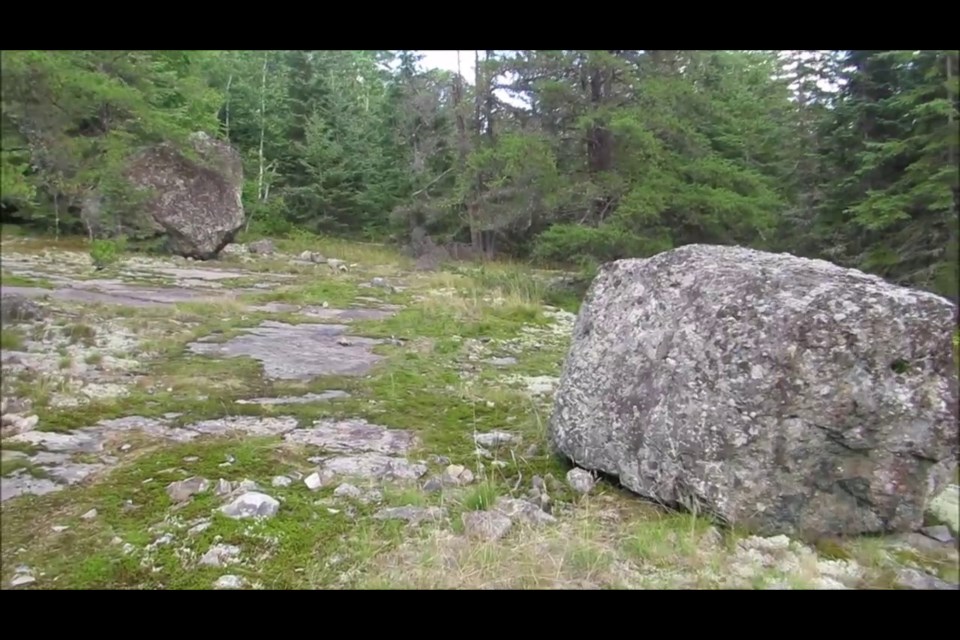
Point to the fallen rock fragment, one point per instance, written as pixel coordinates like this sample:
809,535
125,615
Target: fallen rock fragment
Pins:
182,490
581,481
252,505
488,526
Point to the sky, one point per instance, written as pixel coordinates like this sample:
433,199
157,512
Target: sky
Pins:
447,59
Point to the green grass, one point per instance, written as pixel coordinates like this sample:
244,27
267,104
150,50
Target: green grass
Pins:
15,280
11,339
84,558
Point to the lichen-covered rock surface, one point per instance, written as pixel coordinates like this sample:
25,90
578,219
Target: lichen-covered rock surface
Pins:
198,204
789,395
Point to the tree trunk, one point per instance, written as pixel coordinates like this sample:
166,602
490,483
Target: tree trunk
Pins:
263,126
463,148
599,139
227,107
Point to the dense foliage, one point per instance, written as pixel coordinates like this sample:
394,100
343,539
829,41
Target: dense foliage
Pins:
566,156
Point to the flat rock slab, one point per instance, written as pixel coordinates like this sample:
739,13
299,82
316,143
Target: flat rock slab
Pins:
374,466
351,436
304,399
298,352
21,484
249,425
181,273
120,294
329,313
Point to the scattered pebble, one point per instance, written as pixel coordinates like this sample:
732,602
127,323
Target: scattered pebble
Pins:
456,475
90,515
281,481
581,481
229,582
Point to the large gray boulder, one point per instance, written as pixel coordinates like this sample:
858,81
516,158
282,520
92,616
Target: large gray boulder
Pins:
197,202
784,394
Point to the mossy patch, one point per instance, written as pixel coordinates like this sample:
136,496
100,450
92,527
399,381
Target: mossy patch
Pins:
11,339
16,280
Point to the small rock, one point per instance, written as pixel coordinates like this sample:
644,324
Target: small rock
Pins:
59,528
90,515
252,504
191,459
522,510
229,582
486,525
219,555
21,580
349,491
248,485
128,549
182,490
116,540
581,481
433,485
126,447
199,528
435,459
165,539
281,481
940,533
223,487
380,282
532,451
915,579
262,247
456,475
494,439
319,479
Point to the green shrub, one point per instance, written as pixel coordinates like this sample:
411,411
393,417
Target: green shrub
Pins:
106,252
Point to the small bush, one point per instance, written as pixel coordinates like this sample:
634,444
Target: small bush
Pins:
106,252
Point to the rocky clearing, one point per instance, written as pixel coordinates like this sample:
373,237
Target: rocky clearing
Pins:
329,417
